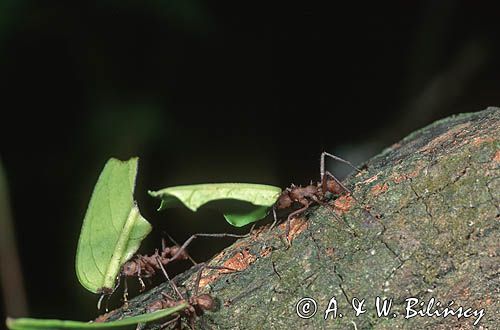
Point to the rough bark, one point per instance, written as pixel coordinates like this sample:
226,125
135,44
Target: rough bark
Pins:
432,230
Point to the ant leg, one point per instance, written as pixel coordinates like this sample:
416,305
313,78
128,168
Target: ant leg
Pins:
104,296
107,295
125,290
166,324
160,264
323,185
222,268
331,209
322,163
190,239
350,193
275,218
251,229
337,181
200,272
291,215
141,282
167,296
172,284
100,300
198,279
191,323
328,206
177,244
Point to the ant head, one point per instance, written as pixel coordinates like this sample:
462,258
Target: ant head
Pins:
129,269
204,302
284,201
334,187
105,291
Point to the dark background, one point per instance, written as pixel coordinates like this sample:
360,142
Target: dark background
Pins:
208,92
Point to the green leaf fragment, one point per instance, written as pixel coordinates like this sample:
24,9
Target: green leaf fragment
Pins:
112,229
126,323
242,218
258,196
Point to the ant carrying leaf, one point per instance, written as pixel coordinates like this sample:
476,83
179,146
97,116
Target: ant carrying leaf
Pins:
144,266
113,228
261,197
113,220
314,193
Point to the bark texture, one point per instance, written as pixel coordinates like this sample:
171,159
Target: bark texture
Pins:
432,230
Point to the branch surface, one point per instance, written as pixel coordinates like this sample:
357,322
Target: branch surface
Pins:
432,231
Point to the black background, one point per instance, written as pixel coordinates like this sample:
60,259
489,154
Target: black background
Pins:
212,92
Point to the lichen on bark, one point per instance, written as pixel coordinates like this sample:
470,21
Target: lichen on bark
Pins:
423,222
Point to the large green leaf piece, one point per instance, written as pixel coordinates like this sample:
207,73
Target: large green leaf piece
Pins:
112,229
258,198
126,323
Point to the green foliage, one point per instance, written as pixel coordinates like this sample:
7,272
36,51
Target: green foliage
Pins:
126,323
112,229
247,202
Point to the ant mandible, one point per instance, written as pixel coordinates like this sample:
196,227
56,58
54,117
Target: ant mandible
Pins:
312,193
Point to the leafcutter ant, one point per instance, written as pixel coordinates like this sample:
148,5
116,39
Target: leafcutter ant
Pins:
147,266
144,266
197,303
312,193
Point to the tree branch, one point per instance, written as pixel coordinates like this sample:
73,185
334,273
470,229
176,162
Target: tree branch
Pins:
436,194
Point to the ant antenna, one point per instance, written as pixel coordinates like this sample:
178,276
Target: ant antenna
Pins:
290,217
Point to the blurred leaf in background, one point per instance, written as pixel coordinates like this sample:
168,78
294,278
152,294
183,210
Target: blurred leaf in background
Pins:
11,276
